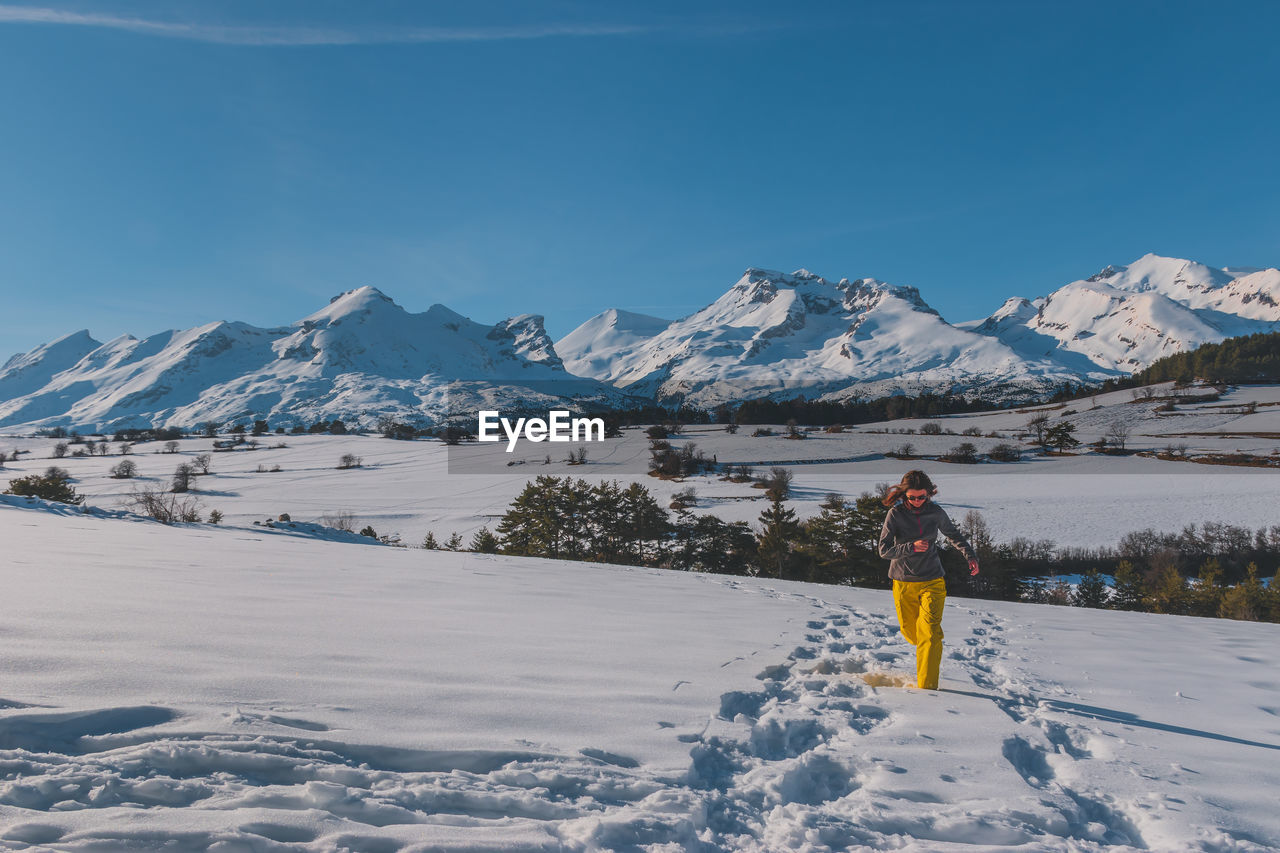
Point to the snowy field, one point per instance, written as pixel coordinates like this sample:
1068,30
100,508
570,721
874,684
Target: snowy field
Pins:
241,688
410,488
233,689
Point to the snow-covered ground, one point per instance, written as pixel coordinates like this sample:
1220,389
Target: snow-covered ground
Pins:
224,688
1087,500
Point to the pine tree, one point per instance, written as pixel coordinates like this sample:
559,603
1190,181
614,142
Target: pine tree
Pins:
1246,600
484,542
430,542
725,547
823,545
1205,599
1092,591
454,543
839,545
604,516
1130,591
1168,591
777,540
682,553
1060,436
1271,600
645,525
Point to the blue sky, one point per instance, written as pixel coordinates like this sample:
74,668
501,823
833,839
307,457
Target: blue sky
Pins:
166,165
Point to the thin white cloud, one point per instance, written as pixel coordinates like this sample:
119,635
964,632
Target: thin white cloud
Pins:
306,36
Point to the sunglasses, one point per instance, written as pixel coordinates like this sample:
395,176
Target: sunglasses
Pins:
917,498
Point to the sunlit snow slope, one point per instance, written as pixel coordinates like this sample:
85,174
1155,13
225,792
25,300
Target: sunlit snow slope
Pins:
205,689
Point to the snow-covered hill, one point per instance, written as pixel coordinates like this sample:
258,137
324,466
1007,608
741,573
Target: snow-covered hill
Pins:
211,689
359,357
1124,318
779,334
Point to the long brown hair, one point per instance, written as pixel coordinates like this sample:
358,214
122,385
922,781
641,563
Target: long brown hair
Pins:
916,479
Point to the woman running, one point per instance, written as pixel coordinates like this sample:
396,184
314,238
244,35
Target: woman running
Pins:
909,541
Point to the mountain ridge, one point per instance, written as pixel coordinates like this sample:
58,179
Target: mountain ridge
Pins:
770,334
360,357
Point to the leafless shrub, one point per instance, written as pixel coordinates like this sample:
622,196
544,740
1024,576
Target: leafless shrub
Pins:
341,520
350,460
182,477
684,499
1119,433
164,507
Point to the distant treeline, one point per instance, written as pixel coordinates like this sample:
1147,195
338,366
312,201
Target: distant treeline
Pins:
1249,359
822,413
1245,360
1210,570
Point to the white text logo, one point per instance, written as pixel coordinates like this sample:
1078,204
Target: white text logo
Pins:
558,427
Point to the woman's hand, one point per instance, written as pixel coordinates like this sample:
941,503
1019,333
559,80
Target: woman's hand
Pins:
920,546
973,567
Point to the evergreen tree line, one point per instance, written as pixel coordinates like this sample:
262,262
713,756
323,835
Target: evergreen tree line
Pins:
564,518
1247,359
828,413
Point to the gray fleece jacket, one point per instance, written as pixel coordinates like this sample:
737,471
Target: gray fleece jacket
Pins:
903,526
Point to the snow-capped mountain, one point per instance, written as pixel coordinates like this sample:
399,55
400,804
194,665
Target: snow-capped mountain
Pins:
360,357
778,334
598,347
774,333
770,334
1124,318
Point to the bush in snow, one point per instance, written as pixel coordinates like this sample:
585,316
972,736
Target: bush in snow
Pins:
964,453
53,485
342,520
126,470
166,508
1005,453
684,499
350,460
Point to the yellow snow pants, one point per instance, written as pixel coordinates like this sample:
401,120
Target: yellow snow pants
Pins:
920,617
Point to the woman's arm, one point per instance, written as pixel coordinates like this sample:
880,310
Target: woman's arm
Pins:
948,529
889,548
